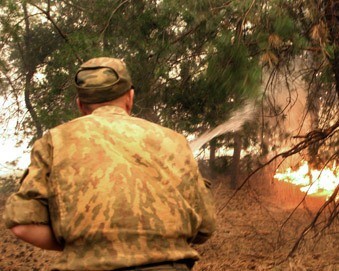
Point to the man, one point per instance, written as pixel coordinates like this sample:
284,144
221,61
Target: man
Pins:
111,191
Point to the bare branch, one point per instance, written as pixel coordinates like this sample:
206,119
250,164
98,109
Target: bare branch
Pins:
311,138
63,35
102,33
223,6
242,24
314,221
189,31
74,6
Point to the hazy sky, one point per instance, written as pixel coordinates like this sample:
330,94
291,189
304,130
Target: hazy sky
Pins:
9,151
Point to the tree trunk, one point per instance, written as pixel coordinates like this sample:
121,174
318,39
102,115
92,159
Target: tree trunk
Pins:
235,169
29,106
332,22
336,69
213,147
314,108
30,70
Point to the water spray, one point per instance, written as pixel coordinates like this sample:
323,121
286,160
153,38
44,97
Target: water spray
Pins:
233,124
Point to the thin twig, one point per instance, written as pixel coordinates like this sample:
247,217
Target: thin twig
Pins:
310,138
102,33
314,221
61,33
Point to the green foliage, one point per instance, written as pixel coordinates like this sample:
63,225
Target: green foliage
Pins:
326,76
192,62
330,51
283,26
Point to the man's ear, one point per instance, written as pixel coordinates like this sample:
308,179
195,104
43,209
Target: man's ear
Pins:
131,94
130,99
81,107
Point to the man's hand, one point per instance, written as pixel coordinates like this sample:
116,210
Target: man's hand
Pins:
40,236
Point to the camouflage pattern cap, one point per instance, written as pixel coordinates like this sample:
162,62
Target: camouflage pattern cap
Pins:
102,79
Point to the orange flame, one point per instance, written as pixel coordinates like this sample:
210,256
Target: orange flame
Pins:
311,181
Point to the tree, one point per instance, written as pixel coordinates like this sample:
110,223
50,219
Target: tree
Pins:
26,43
193,63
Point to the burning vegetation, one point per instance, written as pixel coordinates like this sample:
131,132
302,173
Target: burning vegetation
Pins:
311,181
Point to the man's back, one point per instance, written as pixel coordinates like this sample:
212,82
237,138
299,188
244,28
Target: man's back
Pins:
124,192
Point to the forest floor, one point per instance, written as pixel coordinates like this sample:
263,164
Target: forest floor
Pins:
255,232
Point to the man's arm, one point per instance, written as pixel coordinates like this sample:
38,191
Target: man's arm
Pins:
200,197
40,236
27,212
207,211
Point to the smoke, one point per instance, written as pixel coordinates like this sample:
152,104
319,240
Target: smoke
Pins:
294,101
286,114
291,100
236,121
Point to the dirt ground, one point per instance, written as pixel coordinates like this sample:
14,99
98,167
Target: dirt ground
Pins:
254,233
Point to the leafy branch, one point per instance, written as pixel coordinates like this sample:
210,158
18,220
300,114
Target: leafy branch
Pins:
49,17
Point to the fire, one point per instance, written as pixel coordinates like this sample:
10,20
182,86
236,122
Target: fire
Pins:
321,182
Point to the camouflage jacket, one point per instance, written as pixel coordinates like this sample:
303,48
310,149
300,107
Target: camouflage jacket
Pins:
117,190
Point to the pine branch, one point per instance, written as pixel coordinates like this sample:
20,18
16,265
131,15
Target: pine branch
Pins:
102,33
47,13
332,199
312,137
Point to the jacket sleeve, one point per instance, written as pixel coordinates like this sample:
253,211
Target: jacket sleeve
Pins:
30,204
205,207
197,192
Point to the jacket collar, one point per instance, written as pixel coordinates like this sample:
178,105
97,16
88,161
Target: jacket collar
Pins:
111,109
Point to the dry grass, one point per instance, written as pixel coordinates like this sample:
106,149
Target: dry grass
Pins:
253,234
257,232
